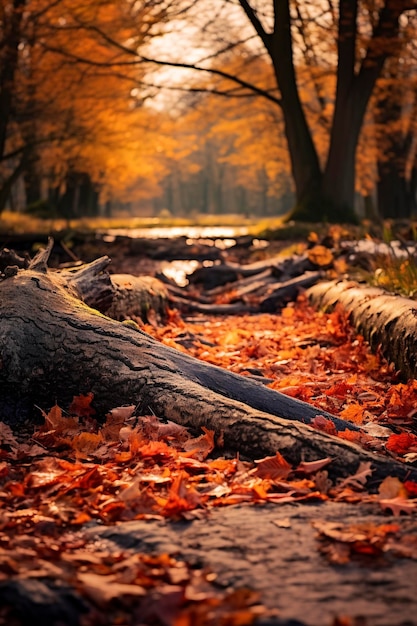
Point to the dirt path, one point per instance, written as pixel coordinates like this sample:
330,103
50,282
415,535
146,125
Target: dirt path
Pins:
246,547
273,550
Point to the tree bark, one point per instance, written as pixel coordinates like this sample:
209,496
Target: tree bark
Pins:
52,347
137,296
388,322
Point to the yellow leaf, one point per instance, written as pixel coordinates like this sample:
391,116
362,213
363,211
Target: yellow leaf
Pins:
392,487
320,255
353,413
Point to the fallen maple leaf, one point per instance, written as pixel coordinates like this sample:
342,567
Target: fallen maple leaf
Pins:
273,467
400,444
353,413
325,425
81,405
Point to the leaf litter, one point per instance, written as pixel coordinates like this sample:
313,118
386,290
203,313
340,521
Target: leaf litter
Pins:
74,471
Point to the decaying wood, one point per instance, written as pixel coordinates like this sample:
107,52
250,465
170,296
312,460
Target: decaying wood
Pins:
92,283
137,296
119,296
187,305
388,322
10,258
52,347
282,293
218,275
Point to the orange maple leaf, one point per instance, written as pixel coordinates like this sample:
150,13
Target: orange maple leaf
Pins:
273,467
400,444
353,413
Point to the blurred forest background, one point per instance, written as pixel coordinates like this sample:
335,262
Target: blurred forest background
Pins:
209,107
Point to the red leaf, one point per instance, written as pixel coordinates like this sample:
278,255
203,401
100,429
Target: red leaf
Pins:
80,405
323,424
400,444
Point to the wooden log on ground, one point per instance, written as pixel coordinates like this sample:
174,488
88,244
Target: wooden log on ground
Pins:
217,275
188,305
90,281
277,297
52,346
138,296
388,322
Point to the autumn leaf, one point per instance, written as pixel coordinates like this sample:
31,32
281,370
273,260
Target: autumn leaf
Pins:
393,495
391,487
7,437
103,589
324,424
81,405
358,480
411,488
200,447
86,443
309,467
402,443
398,505
320,255
353,413
273,467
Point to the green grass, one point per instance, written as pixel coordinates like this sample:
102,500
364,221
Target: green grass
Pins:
396,275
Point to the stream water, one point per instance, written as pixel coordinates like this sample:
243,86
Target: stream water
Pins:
222,237
193,232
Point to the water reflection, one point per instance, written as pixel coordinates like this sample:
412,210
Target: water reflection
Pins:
169,232
178,270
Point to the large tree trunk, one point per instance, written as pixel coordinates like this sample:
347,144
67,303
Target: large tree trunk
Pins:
328,196
52,346
388,322
304,159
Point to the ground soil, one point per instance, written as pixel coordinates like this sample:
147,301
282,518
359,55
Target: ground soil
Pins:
246,547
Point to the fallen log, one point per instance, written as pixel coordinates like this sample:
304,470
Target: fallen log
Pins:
52,347
277,297
137,296
209,278
388,322
188,305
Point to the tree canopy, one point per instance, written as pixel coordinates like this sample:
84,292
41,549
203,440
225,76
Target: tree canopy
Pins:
124,99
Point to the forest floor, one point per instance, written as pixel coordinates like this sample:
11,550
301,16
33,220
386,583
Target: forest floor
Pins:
148,524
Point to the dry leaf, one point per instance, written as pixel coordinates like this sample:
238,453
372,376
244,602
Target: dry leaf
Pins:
273,467
320,255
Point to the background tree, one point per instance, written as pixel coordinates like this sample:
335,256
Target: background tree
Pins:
396,130
72,120
365,35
